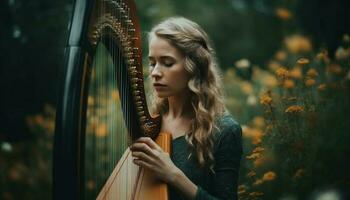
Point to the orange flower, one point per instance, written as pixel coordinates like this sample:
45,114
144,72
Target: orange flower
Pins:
258,150
253,156
303,61
269,176
259,122
322,87
294,109
310,82
115,95
273,65
241,189
280,55
298,43
247,88
283,13
282,72
251,174
266,99
253,133
101,130
258,182
256,194
312,72
288,84
296,73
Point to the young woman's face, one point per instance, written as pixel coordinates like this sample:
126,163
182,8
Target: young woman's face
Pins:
169,77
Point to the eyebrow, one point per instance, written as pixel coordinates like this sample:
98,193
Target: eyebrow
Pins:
162,57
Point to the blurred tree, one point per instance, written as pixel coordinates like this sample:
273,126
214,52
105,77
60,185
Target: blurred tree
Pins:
32,40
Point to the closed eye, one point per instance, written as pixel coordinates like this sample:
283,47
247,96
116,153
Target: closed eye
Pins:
168,64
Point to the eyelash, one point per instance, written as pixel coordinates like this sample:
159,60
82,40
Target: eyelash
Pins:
165,64
168,64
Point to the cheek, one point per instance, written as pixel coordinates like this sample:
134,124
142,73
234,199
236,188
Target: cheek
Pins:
180,80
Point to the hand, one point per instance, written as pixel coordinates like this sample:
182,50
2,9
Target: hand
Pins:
149,155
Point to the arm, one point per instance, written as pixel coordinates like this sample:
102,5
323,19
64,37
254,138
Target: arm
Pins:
227,161
149,155
227,157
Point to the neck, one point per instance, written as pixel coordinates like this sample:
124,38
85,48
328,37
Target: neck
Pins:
179,106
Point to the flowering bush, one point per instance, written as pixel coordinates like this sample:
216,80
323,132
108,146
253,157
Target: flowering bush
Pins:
296,140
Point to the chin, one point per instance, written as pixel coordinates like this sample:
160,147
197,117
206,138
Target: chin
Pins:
162,95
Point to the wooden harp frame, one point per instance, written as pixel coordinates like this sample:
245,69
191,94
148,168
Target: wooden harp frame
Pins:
119,26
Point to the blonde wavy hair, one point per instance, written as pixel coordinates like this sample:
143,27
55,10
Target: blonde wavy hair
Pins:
205,83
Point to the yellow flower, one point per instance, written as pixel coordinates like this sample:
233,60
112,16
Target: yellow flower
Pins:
253,156
241,189
269,81
310,82
251,174
269,176
115,95
282,72
303,61
259,122
283,13
288,84
242,63
298,43
253,133
296,73
258,150
256,194
341,53
294,109
312,72
101,130
247,88
258,182
273,65
280,55
322,87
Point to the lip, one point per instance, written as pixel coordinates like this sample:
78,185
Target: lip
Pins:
158,85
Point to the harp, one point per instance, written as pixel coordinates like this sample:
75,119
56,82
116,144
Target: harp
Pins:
102,108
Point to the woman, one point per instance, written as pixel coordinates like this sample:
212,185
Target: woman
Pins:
206,146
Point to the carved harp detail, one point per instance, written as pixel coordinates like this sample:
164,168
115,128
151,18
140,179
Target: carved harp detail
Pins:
111,27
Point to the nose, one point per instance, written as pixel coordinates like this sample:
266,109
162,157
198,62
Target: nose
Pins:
156,72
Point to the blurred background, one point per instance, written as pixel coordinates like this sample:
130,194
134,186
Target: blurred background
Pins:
285,67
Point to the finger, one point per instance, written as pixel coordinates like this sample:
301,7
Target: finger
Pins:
143,164
142,147
149,142
142,156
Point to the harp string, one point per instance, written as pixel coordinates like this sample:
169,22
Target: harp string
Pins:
106,134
